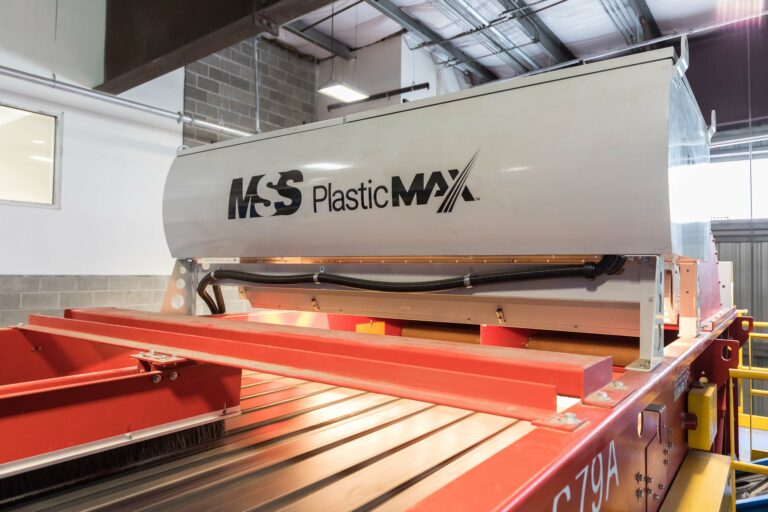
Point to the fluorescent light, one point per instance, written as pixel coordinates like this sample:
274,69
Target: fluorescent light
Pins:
38,141
342,92
41,158
326,166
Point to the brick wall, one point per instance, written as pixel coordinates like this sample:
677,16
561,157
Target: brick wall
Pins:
221,89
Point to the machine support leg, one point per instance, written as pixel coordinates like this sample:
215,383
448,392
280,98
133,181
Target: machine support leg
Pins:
651,315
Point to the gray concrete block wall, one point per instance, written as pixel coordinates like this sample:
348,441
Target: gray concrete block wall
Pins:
220,88
21,296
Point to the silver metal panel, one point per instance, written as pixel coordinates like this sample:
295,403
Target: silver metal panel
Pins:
577,164
687,146
303,448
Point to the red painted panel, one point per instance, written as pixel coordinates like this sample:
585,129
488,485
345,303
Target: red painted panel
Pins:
23,360
58,418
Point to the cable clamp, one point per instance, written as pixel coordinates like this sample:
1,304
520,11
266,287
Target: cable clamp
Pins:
316,277
468,280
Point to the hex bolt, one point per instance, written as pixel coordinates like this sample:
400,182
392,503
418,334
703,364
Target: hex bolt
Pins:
618,384
173,375
157,378
601,396
639,476
639,493
661,487
666,462
649,479
570,418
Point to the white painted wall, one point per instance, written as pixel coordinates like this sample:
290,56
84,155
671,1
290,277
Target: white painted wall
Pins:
384,66
32,40
114,159
375,69
113,169
419,66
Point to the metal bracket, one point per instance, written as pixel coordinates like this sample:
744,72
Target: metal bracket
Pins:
651,315
682,61
567,422
180,295
712,126
152,360
609,395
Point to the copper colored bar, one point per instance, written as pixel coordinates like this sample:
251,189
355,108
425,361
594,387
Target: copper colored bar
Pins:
622,349
442,332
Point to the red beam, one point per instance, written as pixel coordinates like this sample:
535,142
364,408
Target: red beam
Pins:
469,391
477,378
571,374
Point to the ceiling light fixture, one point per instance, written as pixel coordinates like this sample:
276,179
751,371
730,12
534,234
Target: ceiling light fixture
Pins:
342,92
338,89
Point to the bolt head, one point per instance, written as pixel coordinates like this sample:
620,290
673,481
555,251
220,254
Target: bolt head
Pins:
157,378
173,375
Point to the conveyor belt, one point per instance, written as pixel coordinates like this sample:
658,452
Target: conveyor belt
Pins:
303,446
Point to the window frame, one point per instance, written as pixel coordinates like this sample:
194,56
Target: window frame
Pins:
58,141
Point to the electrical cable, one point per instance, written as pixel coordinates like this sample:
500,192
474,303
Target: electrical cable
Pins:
607,265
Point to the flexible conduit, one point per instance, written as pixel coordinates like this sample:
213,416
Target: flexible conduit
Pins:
607,265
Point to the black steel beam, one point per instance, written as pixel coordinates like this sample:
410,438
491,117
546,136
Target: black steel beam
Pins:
647,21
314,36
388,8
146,39
534,28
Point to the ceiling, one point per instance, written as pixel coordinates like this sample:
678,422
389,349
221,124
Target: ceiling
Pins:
512,45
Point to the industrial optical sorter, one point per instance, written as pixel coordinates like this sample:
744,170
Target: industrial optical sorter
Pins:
488,300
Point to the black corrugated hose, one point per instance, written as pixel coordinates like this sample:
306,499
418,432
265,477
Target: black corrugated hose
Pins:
607,265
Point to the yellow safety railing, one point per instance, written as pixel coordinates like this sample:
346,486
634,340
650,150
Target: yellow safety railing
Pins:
750,373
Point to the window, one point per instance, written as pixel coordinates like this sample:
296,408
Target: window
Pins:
28,156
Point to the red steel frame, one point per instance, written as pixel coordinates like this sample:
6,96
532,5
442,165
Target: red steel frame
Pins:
56,396
511,382
623,451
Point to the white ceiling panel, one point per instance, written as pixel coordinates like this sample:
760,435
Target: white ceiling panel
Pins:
677,16
583,26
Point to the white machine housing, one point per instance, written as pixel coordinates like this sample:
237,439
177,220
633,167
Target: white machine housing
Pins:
563,166
575,161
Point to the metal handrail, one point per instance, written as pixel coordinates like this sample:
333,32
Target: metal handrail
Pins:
750,373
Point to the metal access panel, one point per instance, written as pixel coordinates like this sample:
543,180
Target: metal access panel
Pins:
576,161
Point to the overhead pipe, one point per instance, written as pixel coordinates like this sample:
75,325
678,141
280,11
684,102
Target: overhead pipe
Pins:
179,117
